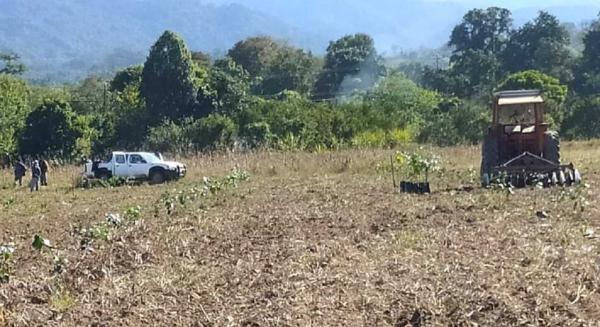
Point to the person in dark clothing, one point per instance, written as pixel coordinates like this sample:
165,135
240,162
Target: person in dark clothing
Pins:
36,173
5,161
20,170
44,168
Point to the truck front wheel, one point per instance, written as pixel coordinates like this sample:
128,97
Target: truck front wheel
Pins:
157,177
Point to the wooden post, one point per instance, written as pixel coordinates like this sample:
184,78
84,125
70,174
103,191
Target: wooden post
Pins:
393,171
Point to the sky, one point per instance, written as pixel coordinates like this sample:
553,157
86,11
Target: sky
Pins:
521,3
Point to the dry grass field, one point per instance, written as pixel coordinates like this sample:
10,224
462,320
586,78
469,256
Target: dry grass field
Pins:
307,240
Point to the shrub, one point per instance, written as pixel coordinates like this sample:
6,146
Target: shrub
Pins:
465,124
215,132
52,129
257,134
169,137
582,122
380,138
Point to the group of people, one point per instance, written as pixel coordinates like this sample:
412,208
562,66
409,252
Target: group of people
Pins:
39,173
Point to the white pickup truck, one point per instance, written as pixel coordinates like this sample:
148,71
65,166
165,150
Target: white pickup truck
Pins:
137,165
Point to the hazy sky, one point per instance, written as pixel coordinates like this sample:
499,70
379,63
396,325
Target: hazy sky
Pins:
521,3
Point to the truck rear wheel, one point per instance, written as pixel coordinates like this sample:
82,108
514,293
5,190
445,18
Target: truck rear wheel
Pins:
157,177
103,175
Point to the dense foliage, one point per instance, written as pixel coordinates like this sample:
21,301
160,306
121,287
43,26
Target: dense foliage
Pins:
13,109
53,129
267,93
168,80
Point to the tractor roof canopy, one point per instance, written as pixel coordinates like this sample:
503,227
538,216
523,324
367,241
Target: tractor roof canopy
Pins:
520,108
518,97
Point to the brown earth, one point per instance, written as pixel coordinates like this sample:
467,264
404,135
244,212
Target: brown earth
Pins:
308,240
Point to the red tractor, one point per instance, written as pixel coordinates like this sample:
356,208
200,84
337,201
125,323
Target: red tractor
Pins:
519,148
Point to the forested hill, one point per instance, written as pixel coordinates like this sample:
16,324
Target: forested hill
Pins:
64,40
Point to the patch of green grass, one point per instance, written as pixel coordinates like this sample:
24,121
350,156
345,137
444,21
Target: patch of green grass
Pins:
62,300
407,240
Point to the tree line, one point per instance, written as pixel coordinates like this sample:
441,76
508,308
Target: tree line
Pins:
267,93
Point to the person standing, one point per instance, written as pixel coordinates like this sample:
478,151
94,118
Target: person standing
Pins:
36,173
44,168
20,170
5,161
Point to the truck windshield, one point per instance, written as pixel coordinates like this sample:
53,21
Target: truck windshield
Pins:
151,158
517,114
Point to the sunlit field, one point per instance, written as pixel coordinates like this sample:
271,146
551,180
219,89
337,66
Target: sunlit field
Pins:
301,239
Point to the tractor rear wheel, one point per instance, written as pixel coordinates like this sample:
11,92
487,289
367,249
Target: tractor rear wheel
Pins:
552,147
489,158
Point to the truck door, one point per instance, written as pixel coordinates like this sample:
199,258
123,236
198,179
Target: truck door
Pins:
121,168
138,167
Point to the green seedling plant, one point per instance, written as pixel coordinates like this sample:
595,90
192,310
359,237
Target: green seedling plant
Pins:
39,243
96,232
577,195
103,231
417,166
6,254
8,202
133,213
59,262
210,187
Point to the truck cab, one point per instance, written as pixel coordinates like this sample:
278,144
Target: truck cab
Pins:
136,165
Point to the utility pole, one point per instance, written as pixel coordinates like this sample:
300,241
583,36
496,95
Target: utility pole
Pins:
104,101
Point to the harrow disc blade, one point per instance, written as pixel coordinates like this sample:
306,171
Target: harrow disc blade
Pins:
561,178
576,177
554,179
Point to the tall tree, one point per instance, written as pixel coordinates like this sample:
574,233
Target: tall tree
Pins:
542,45
482,30
254,54
351,63
587,75
201,58
168,80
274,66
477,42
582,121
13,110
125,77
11,64
50,130
290,69
91,96
228,89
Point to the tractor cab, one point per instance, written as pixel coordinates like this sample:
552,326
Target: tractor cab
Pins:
518,122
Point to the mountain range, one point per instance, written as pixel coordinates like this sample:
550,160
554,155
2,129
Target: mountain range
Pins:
66,40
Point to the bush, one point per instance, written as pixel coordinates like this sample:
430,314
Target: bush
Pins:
13,110
169,137
582,122
440,131
465,124
257,134
215,132
53,130
380,138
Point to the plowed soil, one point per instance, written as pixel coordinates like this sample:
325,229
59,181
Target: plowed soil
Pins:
308,240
